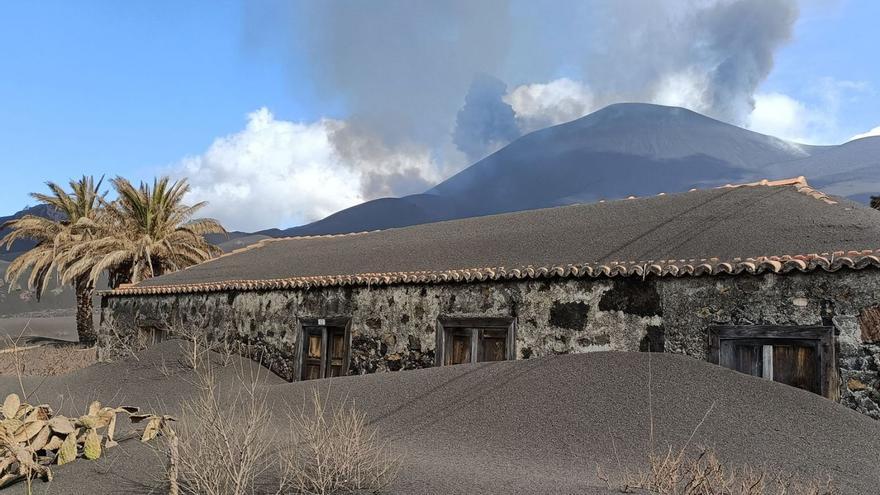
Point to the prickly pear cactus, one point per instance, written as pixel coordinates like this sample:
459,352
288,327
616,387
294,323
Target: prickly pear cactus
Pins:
33,437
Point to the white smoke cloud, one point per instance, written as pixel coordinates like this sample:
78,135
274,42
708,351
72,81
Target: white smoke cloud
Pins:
782,116
276,173
816,122
541,105
686,89
873,132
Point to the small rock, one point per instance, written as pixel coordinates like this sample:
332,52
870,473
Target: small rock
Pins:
855,385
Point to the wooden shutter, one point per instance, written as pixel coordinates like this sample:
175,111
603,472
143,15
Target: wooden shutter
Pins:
313,350
802,357
336,352
493,345
459,351
797,365
743,356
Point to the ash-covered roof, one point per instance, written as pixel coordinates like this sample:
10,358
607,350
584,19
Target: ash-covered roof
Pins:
752,228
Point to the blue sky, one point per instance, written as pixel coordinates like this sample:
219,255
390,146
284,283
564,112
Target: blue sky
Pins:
135,88
127,87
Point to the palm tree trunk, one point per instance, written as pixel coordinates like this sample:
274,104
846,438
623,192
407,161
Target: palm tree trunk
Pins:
85,323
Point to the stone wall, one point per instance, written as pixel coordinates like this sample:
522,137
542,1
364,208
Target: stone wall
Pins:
840,299
393,327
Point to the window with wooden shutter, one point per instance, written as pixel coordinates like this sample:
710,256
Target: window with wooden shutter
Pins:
471,340
803,357
150,335
324,347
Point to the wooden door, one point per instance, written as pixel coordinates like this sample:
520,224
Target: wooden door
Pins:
325,352
313,351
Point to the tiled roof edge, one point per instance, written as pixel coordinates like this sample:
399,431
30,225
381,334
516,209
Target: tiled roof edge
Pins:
829,262
800,184
259,244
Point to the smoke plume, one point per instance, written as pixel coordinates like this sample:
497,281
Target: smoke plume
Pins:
414,108
486,122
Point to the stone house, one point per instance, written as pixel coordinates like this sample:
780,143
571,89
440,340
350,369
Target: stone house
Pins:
774,279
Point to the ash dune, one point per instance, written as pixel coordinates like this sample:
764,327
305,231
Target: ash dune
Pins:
532,426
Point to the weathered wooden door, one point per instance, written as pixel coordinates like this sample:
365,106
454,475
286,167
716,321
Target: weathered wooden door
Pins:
336,351
324,352
802,357
313,350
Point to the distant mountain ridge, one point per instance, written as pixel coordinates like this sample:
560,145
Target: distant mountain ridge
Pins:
23,245
621,150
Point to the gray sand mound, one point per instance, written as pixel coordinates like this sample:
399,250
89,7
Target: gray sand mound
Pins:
25,329
535,426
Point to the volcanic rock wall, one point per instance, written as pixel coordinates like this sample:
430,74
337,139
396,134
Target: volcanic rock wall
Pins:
394,327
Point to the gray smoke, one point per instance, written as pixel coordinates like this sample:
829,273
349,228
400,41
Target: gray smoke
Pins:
485,122
741,38
402,69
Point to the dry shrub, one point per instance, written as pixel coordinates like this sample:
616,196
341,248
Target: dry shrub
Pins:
223,442
198,350
702,473
333,450
686,471
226,443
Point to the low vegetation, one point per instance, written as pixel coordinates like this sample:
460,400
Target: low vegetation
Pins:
227,441
700,472
33,437
223,443
333,450
687,471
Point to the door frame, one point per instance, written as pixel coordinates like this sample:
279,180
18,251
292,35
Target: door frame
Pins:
823,336
445,323
333,322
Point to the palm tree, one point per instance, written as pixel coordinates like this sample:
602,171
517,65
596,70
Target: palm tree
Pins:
54,238
146,232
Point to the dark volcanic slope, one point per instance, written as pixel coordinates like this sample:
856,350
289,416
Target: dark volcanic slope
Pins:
726,223
621,150
20,246
851,169
379,214
535,426
17,302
